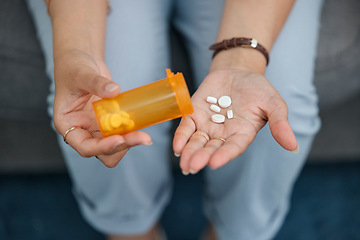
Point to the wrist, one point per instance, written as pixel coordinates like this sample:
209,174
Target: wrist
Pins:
240,52
239,58
71,54
78,26
78,47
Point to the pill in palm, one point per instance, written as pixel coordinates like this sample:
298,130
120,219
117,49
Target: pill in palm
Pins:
218,118
230,114
224,101
210,99
215,108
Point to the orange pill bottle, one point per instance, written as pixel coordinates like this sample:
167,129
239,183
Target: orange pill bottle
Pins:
157,102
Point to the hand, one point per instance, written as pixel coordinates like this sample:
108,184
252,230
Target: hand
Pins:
81,79
254,102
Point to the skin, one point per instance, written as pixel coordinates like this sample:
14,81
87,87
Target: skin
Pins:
245,89
239,73
81,77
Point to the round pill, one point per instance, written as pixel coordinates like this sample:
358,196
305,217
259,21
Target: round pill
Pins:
130,125
225,101
124,114
115,120
215,108
210,99
115,105
100,110
106,123
230,114
102,122
218,118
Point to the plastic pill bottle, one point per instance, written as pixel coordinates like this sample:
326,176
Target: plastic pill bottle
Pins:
157,102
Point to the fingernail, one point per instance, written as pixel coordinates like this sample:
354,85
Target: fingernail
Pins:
193,172
111,87
177,154
118,144
148,143
185,173
297,150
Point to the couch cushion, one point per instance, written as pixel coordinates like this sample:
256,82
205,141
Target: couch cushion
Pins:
27,141
338,62
337,79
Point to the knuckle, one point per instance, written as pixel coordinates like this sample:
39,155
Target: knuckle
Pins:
84,153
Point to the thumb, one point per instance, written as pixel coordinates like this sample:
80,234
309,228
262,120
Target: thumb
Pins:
281,130
90,81
100,86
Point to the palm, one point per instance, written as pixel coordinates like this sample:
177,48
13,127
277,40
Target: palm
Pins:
247,119
74,104
80,79
254,100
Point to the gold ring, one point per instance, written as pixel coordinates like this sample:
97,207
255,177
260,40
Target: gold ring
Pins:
201,133
219,138
67,132
94,130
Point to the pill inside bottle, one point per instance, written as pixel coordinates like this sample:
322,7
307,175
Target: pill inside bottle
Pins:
157,102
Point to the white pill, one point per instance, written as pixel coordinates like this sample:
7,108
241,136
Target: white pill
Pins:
230,114
215,108
210,99
225,101
218,118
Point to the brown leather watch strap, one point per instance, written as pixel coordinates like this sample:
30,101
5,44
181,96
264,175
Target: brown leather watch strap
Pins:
240,42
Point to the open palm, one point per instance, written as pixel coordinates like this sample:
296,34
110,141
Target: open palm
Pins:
254,102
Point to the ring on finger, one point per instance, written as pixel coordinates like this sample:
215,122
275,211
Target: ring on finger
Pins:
68,131
218,138
201,133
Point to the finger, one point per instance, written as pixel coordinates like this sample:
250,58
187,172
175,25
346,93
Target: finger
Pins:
233,147
112,160
131,140
94,83
281,130
182,134
137,138
201,158
196,142
87,146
